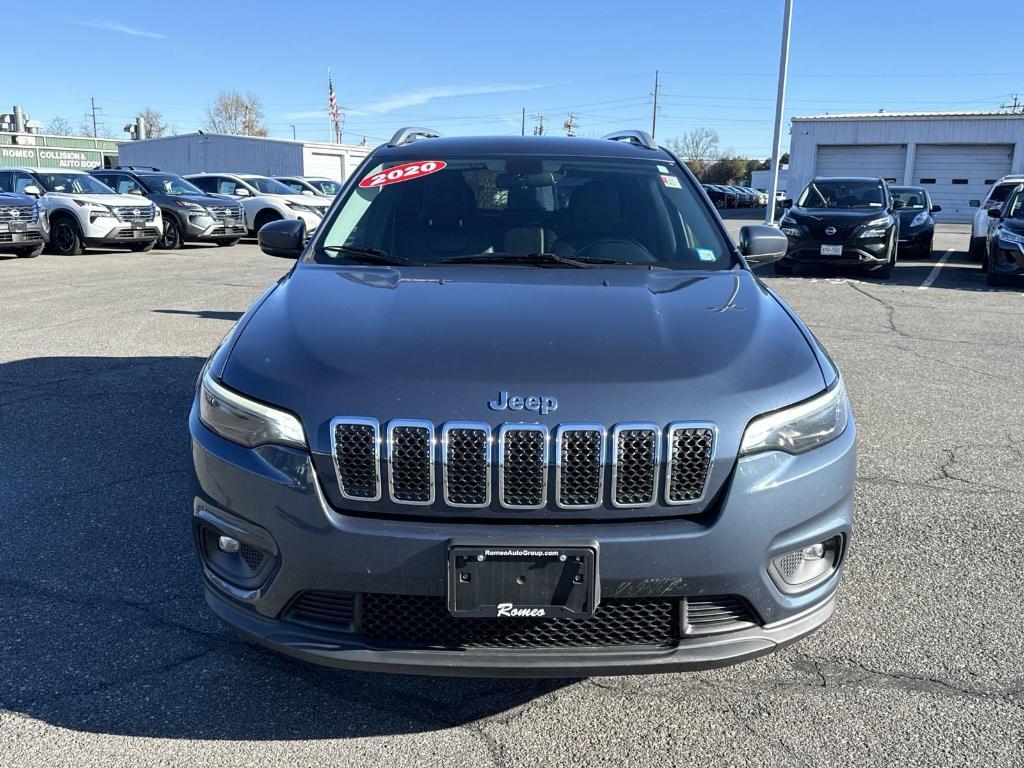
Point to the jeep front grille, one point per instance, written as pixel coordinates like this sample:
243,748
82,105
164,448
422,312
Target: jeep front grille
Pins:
406,453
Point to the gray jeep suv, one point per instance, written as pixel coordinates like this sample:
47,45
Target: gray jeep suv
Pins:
521,408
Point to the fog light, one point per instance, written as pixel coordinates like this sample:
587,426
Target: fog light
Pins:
228,544
803,568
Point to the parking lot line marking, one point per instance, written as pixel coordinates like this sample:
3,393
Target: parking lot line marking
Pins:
935,271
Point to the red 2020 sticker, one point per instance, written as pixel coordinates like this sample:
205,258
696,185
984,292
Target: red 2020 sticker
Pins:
404,172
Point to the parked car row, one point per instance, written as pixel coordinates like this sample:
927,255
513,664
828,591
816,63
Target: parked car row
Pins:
140,207
729,196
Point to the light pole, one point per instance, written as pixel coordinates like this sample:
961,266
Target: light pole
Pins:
780,100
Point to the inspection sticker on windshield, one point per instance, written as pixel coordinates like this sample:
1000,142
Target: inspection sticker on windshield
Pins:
705,254
403,172
671,181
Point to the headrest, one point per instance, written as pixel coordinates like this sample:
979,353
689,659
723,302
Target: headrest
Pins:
448,196
595,206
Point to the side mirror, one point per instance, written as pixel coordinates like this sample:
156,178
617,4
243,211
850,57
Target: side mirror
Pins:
285,238
136,191
306,192
898,205
937,208
787,202
761,244
974,203
33,191
242,192
995,213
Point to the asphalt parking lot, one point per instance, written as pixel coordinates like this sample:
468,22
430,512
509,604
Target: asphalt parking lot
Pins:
110,657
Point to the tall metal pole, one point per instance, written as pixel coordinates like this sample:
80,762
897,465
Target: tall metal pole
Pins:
780,100
93,101
523,133
293,133
654,112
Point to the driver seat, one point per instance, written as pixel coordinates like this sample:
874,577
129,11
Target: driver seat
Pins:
594,213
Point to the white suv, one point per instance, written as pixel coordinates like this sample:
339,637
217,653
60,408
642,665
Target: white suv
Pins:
85,212
983,223
264,199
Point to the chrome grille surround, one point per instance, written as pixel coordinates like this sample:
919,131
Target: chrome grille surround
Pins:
362,475
466,480
573,466
686,478
26,214
636,458
411,461
523,466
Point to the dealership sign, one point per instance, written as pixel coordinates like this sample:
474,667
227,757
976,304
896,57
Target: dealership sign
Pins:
50,157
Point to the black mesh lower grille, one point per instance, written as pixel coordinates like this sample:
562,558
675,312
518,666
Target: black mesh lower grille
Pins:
252,556
580,468
356,458
523,468
412,473
425,622
636,470
689,460
466,466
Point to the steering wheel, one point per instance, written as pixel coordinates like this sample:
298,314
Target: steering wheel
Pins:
635,251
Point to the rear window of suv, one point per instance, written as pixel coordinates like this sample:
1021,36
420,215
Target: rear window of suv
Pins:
618,211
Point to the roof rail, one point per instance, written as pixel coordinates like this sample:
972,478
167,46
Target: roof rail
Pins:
636,138
132,168
409,135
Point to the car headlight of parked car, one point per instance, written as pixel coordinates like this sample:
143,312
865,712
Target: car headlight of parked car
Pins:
790,228
306,208
1010,237
920,219
800,427
875,228
96,210
246,422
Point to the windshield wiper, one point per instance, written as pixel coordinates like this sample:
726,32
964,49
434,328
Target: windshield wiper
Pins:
535,259
366,255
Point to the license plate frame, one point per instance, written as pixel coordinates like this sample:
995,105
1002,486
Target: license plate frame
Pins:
831,250
138,223
522,582
229,223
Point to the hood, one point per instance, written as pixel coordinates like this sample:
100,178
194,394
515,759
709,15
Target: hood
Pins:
134,201
205,200
1013,225
12,198
835,215
314,200
907,215
611,345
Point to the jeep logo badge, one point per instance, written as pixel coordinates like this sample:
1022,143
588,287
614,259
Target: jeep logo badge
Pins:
543,404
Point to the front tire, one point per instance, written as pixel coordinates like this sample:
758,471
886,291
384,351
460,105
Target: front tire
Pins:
65,239
31,252
994,279
265,217
976,251
171,239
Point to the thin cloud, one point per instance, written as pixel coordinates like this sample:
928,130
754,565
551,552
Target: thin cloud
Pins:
420,96
307,115
114,26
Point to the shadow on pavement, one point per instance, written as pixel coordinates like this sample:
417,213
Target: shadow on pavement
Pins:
206,314
104,625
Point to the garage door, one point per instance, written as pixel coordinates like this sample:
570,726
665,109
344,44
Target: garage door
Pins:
327,165
956,173
887,161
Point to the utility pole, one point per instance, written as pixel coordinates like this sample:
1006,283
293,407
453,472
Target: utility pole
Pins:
654,111
538,129
570,125
93,102
780,101
293,133
523,131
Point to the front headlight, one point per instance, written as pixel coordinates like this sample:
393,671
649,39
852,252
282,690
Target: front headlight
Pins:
1010,237
306,208
244,421
791,232
920,219
800,427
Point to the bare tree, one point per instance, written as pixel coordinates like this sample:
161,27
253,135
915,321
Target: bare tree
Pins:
155,125
58,126
102,129
698,148
236,114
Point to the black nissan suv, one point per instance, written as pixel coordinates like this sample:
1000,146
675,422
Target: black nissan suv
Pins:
189,214
842,221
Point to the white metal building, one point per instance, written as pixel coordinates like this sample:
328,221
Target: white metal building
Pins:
955,155
761,180
200,152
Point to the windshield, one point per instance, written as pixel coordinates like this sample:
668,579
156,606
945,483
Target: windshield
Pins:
1015,207
912,197
327,187
268,186
1000,193
841,193
589,210
73,183
169,184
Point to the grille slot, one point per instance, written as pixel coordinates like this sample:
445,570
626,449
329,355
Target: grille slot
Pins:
356,447
636,453
579,465
711,615
522,466
688,464
466,460
334,610
411,461
417,621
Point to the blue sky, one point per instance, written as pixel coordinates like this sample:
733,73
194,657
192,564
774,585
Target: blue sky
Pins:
471,67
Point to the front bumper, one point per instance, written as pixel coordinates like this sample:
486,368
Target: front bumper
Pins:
32,235
108,231
916,239
867,252
775,503
209,228
1006,258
